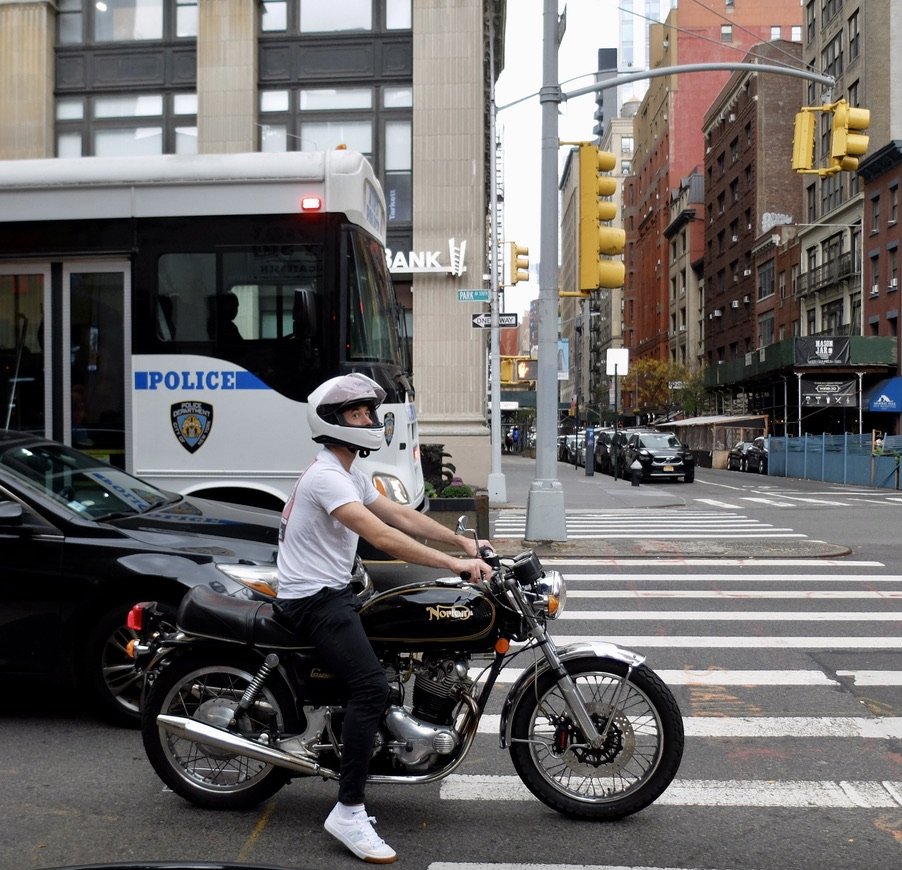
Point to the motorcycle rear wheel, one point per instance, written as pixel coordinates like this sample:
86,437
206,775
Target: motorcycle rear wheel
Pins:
208,689
640,756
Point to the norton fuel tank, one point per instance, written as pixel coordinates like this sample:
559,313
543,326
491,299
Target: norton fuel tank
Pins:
430,614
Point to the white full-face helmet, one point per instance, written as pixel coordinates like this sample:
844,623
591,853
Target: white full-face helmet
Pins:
324,413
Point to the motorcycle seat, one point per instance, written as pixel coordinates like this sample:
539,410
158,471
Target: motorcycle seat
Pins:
207,613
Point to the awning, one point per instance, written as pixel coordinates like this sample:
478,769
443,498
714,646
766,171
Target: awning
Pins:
886,396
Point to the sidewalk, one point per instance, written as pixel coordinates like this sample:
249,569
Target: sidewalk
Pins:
601,493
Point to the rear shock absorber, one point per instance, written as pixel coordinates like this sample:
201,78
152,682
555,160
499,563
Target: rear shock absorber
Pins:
256,684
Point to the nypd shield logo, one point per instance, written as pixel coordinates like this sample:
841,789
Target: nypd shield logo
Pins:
388,422
192,422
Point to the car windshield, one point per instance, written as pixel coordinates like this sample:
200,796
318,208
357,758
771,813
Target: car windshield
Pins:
80,482
661,441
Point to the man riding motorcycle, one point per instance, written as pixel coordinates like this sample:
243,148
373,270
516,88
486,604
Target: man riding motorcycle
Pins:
332,505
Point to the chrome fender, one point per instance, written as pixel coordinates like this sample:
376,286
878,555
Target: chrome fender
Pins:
592,649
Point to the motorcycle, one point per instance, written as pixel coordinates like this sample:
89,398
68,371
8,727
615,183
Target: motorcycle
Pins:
234,705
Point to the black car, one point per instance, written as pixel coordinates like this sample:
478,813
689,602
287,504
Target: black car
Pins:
82,541
757,455
737,458
660,454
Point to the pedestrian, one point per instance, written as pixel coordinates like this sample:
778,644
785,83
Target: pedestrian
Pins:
515,437
333,504
508,442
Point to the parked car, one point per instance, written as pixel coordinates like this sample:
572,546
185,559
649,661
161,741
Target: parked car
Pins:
82,541
737,458
660,454
756,459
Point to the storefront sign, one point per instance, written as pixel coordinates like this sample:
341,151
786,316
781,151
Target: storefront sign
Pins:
423,262
829,393
821,351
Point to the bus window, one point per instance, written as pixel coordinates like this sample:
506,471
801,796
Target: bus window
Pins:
185,282
372,318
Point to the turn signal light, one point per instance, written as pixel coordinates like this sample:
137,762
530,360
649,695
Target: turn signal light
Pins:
502,645
311,203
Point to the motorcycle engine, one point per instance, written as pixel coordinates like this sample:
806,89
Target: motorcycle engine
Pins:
427,732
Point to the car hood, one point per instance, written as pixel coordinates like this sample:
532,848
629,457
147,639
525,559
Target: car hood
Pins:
210,527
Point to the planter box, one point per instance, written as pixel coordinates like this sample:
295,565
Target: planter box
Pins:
447,510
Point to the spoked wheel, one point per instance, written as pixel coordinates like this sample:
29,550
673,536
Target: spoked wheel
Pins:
209,692
640,754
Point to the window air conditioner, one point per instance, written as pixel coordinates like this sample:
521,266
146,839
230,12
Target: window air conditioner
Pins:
746,299
893,283
735,238
875,290
717,312
734,303
732,117
746,272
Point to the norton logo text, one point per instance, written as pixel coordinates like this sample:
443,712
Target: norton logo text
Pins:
448,611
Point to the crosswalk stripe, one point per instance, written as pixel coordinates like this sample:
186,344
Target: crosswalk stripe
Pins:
663,577
769,727
739,594
730,616
638,642
747,678
807,794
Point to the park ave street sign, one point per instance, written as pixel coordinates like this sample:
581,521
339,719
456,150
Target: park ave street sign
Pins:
472,295
484,321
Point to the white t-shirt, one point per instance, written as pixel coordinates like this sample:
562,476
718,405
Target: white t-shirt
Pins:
315,550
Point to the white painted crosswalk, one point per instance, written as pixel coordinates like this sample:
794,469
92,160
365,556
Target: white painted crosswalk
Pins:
643,524
797,620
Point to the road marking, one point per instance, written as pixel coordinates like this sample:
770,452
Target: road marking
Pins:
769,501
737,578
806,594
656,641
715,503
807,794
731,616
748,678
711,562
770,728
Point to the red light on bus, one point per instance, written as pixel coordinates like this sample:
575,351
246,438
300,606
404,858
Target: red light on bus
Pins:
311,203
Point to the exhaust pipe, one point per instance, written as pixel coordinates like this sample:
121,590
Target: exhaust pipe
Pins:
198,732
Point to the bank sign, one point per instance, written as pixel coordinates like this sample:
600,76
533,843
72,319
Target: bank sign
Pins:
425,262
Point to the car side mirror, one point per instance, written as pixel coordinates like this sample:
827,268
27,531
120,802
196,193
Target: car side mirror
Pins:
11,513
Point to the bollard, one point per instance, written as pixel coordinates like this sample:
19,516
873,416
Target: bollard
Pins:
636,472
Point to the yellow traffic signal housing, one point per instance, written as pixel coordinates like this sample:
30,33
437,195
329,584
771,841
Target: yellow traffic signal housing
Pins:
595,240
519,263
847,142
803,140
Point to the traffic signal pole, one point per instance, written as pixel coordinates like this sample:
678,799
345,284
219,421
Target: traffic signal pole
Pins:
545,514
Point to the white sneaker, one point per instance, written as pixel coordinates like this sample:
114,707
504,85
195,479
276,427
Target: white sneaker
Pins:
359,836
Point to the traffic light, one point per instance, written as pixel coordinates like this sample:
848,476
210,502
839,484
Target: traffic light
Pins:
598,243
847,142
803,140
519,263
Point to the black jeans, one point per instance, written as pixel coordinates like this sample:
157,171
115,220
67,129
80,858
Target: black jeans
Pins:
329,620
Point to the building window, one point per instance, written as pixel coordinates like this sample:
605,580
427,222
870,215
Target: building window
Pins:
831,57
319,17
766,280
796,33
854,36
118,124
893,215
766,330
726,32
875,214
893,269
775,31
626,144
80,22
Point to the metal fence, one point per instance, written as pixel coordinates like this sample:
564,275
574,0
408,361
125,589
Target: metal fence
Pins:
853,459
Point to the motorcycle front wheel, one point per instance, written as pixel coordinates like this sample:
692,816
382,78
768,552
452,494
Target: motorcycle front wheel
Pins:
208,690
642,748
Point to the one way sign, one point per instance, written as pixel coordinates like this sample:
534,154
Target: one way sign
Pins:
484,321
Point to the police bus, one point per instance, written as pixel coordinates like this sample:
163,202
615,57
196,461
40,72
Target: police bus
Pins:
172,313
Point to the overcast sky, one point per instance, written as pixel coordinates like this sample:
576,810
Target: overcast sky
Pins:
591,24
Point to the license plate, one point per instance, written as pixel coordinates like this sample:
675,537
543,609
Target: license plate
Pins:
668,468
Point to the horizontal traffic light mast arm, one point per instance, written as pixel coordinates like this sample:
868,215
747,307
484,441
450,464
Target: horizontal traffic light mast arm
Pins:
605,84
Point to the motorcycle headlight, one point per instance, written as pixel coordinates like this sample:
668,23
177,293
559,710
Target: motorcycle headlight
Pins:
260,578
554,592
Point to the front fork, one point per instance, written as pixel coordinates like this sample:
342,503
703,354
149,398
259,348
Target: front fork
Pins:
594,738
